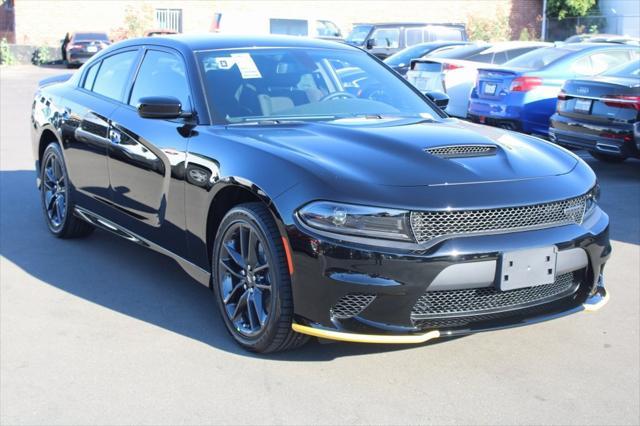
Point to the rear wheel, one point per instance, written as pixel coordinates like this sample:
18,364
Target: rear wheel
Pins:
56,196
609,158
251,281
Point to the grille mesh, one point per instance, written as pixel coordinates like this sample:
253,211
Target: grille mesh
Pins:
433,224
453,151
351,305
487,299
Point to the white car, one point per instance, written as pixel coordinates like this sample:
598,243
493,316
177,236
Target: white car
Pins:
455,72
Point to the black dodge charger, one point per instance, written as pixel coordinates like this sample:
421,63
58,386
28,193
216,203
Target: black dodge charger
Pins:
310,203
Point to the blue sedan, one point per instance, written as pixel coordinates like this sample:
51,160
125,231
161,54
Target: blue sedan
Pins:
521,95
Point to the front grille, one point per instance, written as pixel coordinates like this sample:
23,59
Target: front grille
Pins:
487,300
453,151
433,224
351,305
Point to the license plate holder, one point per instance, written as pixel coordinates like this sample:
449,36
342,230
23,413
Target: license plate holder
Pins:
490,88
582,105
528,268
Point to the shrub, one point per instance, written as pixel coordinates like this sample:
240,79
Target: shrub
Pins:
41,55
489,29
6,56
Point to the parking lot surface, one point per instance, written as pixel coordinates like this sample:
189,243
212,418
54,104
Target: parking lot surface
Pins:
103,331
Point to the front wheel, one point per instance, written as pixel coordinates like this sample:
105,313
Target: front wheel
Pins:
608,158
251,281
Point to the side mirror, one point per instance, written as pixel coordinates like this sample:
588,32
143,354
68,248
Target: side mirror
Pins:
440,99
371,43
160,107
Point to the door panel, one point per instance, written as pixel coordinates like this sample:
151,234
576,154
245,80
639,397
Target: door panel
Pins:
146,166
85,133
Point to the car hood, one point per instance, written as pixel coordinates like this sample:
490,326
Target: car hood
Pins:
392,152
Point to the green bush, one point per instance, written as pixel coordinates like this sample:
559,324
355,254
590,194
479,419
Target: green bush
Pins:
41,55
569,8
6,56
489,29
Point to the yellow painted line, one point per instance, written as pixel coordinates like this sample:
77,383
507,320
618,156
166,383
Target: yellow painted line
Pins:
598,305
365,338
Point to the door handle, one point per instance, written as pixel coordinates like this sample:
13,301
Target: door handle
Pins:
115,136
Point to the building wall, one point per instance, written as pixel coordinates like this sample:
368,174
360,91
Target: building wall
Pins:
46,21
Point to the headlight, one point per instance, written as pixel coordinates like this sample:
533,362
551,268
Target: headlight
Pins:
348,219
593,197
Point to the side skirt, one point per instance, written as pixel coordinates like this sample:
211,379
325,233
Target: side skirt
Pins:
196,272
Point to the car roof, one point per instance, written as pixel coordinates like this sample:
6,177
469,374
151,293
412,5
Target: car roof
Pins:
409,24
585,46
509,45
221,41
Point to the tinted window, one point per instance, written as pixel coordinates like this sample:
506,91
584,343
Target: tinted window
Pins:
90,37
413,36
630,70
161,74
603,61
461,52
444,33
387,38
514,53
539,58
500,58
484,57
298,27
91,76
113,74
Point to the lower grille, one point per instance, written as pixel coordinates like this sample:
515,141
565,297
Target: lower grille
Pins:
443,304
351,305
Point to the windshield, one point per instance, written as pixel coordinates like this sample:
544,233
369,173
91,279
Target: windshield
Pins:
403,57
327,29
90,36
304,84
629,70
538,58
358,34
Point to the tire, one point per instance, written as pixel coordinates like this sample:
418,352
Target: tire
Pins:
608,158
258,314
56,196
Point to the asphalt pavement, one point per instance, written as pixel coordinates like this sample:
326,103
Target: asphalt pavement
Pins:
102,331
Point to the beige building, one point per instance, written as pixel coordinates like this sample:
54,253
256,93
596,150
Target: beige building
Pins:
44,22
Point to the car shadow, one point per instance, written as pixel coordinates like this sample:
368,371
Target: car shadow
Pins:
116,274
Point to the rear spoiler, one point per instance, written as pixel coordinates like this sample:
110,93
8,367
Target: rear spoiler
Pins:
54,80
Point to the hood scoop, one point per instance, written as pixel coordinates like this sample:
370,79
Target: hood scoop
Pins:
459,151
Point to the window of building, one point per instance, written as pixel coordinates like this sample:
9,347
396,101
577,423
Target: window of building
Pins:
169,19
114,74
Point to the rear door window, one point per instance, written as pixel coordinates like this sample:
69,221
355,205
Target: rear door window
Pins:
113,75
413,36
91,76
161,74
602,61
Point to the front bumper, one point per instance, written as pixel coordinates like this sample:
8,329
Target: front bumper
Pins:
327,271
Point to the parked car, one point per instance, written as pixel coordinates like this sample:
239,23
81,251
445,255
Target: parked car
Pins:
385,39
310,208
457,71
521,95
601,114
602,38
295,25
401,61
159,32
78,47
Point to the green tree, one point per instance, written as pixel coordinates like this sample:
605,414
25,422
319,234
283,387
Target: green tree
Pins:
568,8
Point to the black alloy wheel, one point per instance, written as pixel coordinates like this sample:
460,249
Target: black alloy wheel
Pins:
251,280
56,196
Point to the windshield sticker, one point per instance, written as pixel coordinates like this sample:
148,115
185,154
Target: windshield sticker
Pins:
247,67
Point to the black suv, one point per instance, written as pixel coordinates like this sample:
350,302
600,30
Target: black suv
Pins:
386,39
